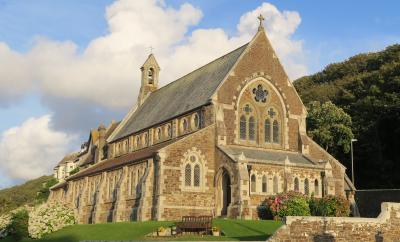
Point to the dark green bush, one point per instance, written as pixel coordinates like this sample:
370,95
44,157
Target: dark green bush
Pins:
330,206
18,229
297,204
264,212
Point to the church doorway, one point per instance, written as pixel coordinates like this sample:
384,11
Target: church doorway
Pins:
223,195
226,193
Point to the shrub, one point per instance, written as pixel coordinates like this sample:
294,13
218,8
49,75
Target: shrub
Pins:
263,211
49,218
44,193
330,206
285,204
5,221
18,228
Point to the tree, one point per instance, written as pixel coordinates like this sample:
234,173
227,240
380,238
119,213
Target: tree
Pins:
329,126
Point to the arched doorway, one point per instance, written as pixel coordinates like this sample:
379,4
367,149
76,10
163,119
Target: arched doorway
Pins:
226,193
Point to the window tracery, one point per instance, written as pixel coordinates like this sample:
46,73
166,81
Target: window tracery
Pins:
316,187
296,184
253,183
306,187
193,172
260,94
264,184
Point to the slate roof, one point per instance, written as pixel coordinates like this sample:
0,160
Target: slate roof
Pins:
69,157
266,155
117,162
185,94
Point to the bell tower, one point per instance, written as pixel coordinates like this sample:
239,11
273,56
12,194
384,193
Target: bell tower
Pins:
150,73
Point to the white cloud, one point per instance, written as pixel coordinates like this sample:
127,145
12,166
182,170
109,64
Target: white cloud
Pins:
106,73
32,149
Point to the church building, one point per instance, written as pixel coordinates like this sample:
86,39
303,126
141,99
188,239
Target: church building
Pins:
216,141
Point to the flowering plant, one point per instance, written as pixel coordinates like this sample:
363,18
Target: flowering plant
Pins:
5,221
284,204
48,218
215,229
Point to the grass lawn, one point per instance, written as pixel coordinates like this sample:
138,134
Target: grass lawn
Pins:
233,230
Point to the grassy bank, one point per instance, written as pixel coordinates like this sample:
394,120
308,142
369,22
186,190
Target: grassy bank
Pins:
235,230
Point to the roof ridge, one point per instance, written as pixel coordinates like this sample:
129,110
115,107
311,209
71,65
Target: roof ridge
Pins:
170,83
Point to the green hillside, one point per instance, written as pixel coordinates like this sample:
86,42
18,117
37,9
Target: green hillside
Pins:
367,87
31,192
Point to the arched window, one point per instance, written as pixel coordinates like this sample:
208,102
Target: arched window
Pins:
276,190
195,121
264,183
252,128
150,75
306,187
188,175
169,131
145,139
243,127
196,175
159,134
275,134
267,131
185,125
138,143
296,184
316,187
253,183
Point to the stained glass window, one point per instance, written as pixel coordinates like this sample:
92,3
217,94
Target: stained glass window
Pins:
275,185
260,94
276,132
242,127
253,183
296,184
188,175
196,175
252,128
264,184
306,187
267,131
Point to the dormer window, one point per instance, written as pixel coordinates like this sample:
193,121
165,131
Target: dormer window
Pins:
150,75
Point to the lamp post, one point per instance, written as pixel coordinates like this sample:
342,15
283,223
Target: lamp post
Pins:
352,163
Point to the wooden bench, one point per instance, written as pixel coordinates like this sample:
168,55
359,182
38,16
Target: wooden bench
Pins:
195,224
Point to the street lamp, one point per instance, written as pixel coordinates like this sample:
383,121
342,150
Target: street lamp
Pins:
352,163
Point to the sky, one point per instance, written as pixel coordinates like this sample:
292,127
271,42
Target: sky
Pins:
68,66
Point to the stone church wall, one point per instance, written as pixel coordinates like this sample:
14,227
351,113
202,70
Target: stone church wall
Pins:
314,229
260,61
176,200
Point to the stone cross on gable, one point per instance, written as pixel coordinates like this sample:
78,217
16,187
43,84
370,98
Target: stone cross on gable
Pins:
261,18
151,49
271,112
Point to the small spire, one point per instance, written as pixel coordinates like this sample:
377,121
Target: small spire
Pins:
261,18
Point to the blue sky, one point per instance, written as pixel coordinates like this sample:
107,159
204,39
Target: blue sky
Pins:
328,32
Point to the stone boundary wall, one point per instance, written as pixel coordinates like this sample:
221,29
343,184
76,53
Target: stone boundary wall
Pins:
386,227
